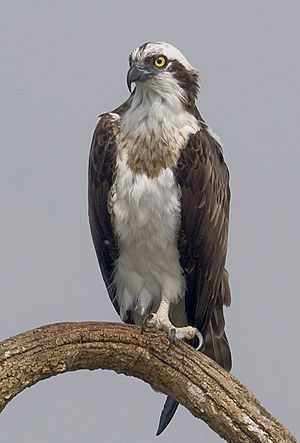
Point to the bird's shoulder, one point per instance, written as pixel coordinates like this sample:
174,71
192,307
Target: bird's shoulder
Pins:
103,146
201,162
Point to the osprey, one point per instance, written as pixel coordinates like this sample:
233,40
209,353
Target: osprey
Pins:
159,206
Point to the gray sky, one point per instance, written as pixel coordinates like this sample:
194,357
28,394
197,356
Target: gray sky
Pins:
62,64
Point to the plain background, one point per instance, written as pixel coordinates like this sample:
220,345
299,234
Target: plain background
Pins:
62,64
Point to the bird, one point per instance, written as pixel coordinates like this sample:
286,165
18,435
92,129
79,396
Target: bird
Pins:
158,205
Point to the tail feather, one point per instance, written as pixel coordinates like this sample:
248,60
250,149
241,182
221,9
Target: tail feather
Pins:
167,413
217,348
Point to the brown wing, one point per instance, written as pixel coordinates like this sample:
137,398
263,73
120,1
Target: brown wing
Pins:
204,181
100,178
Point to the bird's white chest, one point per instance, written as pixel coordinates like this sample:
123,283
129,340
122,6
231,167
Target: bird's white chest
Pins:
146,210
146,216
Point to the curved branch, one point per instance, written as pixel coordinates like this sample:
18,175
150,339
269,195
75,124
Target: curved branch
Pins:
197,382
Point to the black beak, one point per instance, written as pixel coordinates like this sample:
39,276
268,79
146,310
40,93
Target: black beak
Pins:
134,74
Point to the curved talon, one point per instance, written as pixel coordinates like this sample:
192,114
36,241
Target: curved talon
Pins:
172,336
145,322
200,340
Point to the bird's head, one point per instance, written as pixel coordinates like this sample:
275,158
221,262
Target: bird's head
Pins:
161,68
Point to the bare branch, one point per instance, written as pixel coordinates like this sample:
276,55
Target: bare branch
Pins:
196,381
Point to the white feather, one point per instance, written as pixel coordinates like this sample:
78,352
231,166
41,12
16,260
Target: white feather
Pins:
157,110
162,48
146,210
146,215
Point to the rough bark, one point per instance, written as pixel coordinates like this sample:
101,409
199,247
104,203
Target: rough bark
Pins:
197,382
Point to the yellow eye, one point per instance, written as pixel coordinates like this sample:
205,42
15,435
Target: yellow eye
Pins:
160,61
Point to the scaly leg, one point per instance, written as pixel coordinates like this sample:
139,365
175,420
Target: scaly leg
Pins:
160,320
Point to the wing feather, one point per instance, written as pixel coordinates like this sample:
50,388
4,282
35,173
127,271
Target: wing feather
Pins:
204,181
102,163
100,179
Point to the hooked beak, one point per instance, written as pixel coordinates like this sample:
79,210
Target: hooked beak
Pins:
134,74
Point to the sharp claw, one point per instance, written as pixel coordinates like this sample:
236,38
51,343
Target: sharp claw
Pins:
143,327
184,333
200,340
145,322
172,336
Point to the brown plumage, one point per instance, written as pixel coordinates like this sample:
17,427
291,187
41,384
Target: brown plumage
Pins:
203,179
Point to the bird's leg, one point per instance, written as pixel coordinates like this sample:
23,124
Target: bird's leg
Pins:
160,320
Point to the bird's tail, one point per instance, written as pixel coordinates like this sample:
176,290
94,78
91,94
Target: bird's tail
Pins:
167,413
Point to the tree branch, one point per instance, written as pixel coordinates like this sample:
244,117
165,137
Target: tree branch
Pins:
197,382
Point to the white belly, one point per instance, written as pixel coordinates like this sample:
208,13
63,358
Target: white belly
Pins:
146,215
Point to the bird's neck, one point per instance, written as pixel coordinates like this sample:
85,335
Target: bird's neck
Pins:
154,130
156,112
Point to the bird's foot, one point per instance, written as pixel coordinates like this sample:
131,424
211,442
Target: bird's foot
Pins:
164,324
